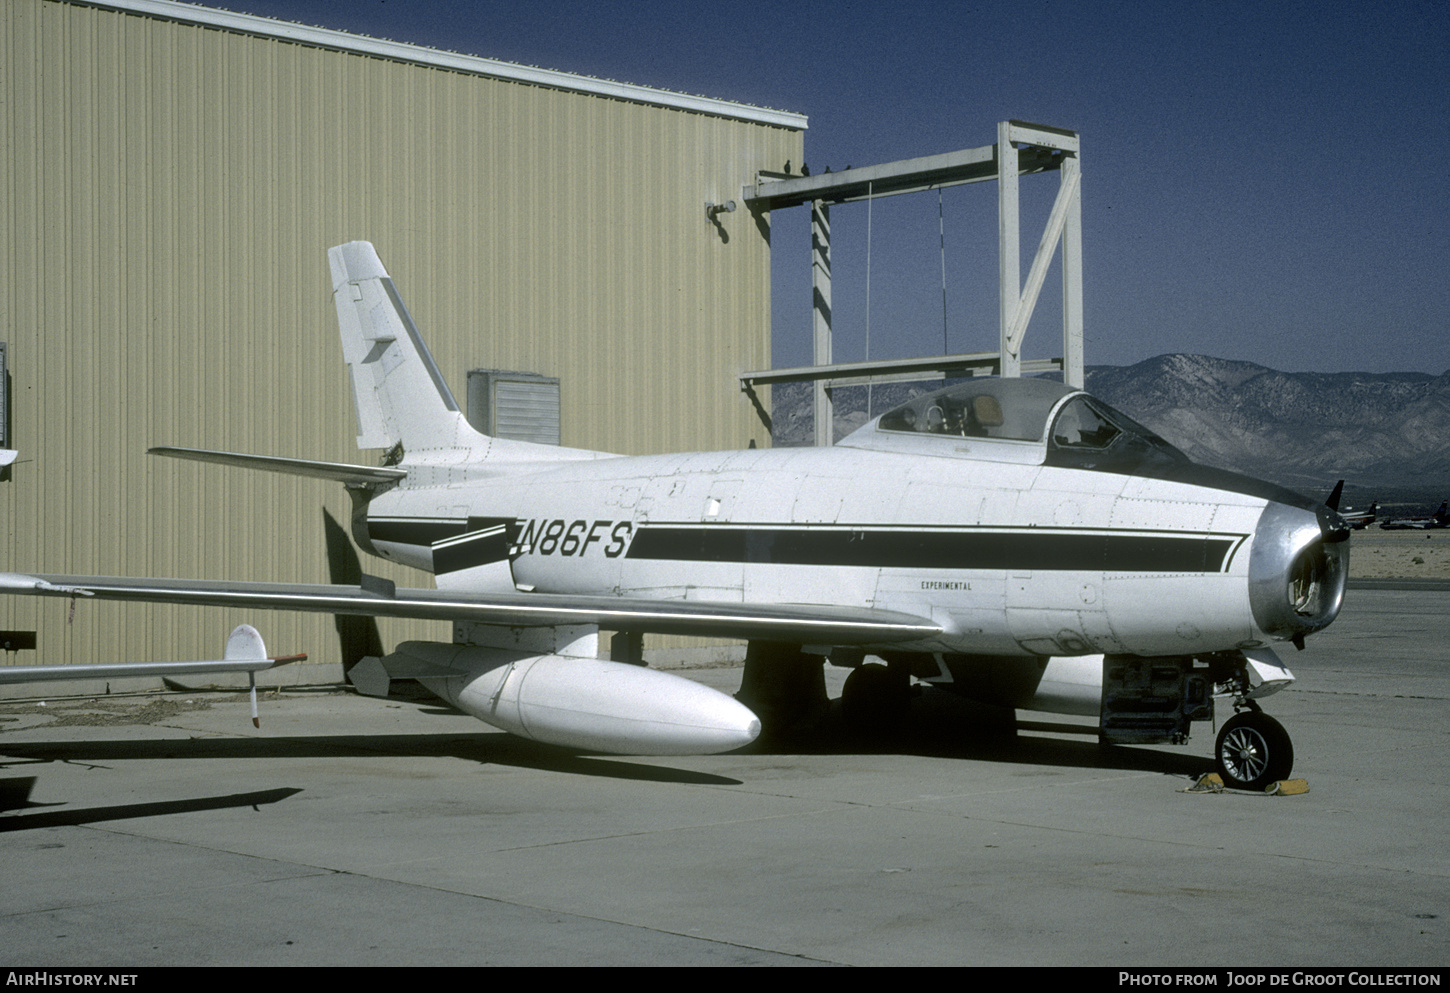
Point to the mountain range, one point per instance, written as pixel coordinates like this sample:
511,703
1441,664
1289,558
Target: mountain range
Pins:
1386,434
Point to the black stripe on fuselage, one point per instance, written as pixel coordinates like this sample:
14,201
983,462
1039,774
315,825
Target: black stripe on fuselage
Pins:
415,530
1031,548
482,547
456,543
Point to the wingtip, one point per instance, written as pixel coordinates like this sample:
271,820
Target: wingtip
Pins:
245,642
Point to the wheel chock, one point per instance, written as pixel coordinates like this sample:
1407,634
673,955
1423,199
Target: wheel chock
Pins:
1212,782
1287,787
1209,782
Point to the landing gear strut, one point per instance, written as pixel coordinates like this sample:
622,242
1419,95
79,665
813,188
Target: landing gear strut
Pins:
876,699
785,688
1150,700
1253,750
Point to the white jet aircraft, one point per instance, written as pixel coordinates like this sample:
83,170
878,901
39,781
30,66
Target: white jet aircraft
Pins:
1015,541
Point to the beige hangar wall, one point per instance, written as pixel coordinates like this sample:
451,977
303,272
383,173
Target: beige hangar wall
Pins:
170,190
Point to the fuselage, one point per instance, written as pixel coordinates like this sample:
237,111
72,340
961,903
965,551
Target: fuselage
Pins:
1035,545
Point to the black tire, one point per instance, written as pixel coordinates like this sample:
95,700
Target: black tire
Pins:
876,700
1252,751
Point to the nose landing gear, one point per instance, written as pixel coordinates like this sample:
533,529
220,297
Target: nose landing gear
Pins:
1253,750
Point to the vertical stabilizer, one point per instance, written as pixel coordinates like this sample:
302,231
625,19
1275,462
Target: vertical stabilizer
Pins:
400,395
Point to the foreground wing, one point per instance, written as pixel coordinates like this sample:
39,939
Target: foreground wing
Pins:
125,670
245,652
802,623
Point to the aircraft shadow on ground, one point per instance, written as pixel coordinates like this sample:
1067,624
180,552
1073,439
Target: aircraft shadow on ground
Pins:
941,726
487,747
14,794
949,727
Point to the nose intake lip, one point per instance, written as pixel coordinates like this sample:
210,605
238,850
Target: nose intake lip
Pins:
1297,571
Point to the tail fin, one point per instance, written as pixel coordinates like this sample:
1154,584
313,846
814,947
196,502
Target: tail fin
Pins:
399,393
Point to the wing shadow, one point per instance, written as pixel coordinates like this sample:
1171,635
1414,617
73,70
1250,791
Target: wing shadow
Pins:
91,815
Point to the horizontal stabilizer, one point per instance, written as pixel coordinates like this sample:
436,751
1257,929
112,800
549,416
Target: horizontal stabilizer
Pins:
339,472
799,623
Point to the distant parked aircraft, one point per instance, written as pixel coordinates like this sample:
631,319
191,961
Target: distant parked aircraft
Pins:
1439,519
1361,519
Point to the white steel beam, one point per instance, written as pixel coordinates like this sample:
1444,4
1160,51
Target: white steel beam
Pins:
821,318
1066,196
926,367
1016,308
1009,249
1073,373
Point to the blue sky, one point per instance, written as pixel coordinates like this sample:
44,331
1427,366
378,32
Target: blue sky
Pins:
1263,182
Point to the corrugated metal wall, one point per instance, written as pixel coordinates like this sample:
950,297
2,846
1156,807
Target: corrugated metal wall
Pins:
170,192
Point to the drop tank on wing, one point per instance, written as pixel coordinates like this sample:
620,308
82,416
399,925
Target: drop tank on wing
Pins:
575,702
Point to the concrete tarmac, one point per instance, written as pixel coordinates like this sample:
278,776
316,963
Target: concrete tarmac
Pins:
350,831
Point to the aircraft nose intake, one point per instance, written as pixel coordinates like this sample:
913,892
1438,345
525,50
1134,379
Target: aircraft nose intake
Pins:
1297,570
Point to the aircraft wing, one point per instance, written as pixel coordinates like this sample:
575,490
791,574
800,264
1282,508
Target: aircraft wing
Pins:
123,670
801,623
245,652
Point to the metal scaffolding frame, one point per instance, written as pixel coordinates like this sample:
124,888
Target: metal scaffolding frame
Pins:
1021,149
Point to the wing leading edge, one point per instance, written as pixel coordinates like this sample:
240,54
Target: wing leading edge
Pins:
801,623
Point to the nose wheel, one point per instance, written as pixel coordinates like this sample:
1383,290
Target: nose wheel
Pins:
1252,751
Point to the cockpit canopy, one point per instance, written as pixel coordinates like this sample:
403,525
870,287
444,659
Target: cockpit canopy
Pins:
1010,409
1083,431
1037,422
